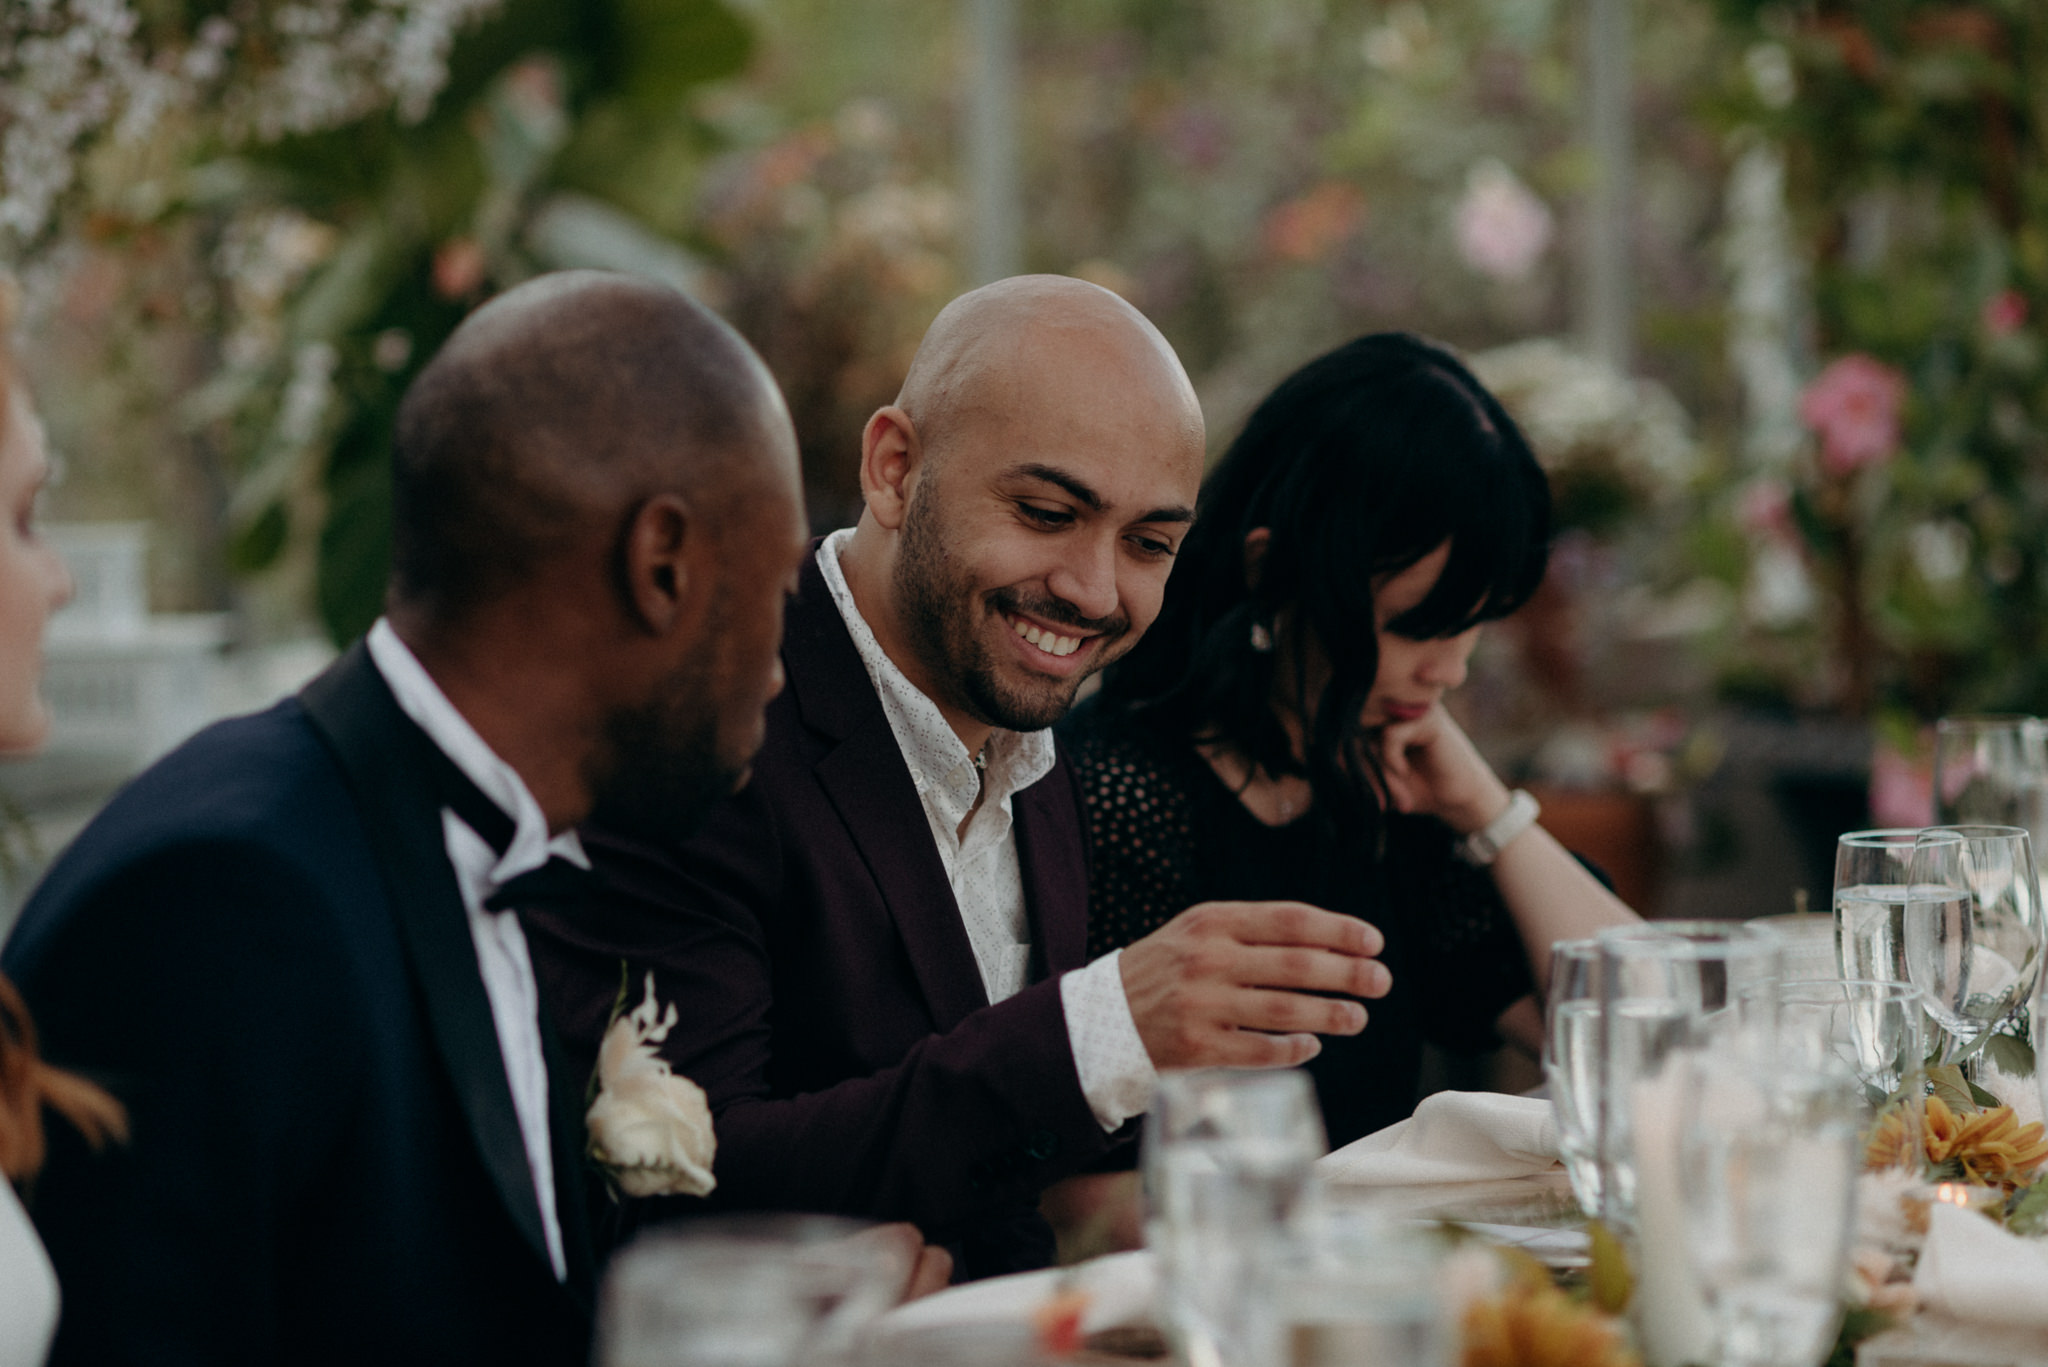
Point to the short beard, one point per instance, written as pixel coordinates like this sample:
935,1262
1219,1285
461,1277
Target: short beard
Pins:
662,774
940,616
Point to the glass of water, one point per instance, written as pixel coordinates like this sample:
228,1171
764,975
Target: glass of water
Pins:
746,1291
1876,1033
1667,989
1769,1155
1571,1052
1363,1290
1663,985
1228,1167
1871,891
1973,947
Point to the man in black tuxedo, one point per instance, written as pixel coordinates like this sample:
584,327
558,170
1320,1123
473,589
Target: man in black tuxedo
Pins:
290,948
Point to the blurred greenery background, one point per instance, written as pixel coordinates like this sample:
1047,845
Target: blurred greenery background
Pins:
1811,490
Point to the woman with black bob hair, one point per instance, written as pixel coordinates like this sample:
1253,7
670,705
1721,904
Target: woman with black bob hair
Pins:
1279,734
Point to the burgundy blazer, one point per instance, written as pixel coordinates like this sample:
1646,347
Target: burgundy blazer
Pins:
828,997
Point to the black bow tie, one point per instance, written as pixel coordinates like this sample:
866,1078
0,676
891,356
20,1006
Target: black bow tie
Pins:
555,884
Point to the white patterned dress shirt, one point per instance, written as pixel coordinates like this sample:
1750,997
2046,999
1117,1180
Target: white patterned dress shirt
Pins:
1117,1077
479,872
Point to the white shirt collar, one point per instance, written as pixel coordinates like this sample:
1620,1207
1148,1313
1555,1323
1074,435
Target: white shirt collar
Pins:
939,763
422,699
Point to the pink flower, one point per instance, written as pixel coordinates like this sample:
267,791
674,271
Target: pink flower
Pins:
1901,789
1764,508
1503,229
2004,313
459,268
1853,406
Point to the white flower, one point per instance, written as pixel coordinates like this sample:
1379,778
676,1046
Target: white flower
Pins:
649,1128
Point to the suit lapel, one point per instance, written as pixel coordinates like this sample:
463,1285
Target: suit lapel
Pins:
1052,856
869,785
381,751
865,777
572,1179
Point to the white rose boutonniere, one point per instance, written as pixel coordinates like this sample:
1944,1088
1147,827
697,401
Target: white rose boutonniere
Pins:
649,1129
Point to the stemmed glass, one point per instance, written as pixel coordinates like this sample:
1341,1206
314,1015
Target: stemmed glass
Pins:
1769,1156
1992,769
1571,1061
1973,947
1228,1165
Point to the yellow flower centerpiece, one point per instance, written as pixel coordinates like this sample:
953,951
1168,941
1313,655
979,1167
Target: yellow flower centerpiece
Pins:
1529,1325
1986,1148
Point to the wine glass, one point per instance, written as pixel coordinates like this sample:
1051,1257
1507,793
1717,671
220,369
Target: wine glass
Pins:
1992,769
1228,1165
1571,1057
1973,947
1769,1157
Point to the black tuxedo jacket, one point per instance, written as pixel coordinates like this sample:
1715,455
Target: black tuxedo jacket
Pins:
828,994
260,949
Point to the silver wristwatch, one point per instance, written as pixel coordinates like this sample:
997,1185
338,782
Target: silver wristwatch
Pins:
1484,845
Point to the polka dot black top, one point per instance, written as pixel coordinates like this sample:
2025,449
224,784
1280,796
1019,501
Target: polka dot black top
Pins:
1165,833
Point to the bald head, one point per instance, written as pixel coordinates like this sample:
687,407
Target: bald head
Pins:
1025,496
1007,351
555,409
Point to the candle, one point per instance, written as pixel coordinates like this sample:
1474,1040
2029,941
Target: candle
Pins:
1669,1308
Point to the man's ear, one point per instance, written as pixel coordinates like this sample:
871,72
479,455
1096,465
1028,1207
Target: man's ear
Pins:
662,552
889,457
1255,543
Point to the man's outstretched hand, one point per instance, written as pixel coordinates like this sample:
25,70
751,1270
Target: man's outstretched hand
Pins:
1226,984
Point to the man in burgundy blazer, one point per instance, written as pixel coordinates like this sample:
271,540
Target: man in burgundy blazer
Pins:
831,968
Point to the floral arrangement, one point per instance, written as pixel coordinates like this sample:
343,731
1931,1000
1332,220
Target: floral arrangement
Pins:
1528,1321
1988,1147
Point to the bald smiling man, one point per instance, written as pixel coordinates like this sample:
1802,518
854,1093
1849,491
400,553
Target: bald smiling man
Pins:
877,948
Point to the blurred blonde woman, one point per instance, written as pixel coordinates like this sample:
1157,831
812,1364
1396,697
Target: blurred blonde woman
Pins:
33,584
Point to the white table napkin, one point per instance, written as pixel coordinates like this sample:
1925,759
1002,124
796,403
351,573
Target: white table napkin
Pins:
1120,1291
1972,1270
1452,1137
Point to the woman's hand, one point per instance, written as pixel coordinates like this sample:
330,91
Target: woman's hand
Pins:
1432,768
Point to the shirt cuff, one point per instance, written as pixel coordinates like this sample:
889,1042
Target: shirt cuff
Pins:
1117,1076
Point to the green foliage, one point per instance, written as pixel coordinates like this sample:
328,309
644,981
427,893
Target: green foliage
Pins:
1918,152
1860,1322
2026,1213
432,218
1609,1278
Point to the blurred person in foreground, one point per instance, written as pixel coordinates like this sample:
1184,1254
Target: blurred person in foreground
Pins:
291,949
1281,731
877,949
33,585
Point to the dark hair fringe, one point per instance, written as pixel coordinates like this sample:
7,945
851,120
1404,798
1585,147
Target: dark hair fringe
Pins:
1360,464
